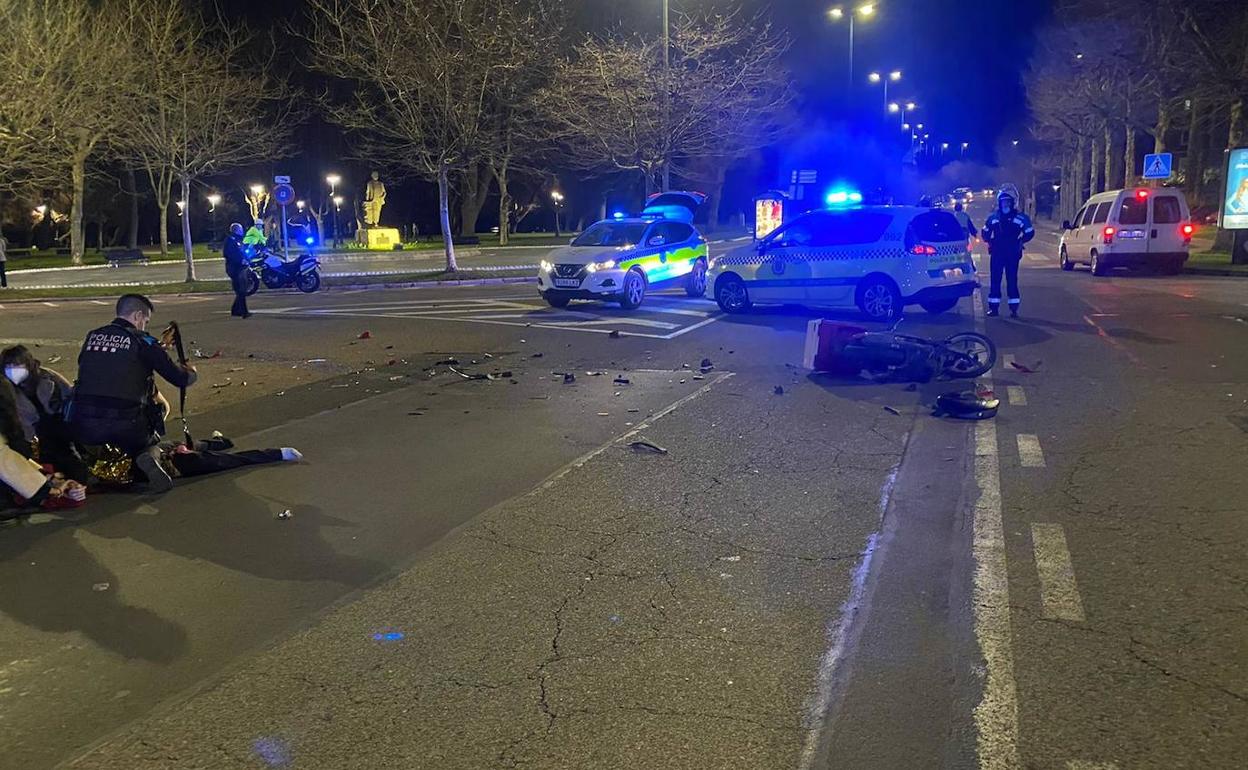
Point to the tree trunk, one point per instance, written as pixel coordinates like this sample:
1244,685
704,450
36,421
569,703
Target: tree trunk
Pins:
714,195
1094,169
1235,133
1128,156
1195,163
163,207
504,204
78,173
1078,176
188,248
1111,179
133,237
1162,128
472,197
444,217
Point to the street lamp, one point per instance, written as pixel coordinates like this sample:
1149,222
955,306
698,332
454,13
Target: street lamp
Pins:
300,204
964,146
556,198
866,10
904,108
257,189
213,199
181,207
893,77
894,107
1014,142
337,205
333,180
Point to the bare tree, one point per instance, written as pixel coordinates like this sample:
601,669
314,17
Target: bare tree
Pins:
420,73
196,111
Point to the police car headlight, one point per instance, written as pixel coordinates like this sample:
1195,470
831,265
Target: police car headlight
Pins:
596,266
546,266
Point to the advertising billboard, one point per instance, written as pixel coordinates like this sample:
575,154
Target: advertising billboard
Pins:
1235,200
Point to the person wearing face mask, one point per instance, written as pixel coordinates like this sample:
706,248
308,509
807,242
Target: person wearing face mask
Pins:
1005,232
42,395
112,401
24,478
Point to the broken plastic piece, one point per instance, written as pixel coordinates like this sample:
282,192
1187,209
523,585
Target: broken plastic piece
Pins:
101,586
891,410
778,390
622,381
646,446
286,514
1024,368
448,362
568,378
365,335
615,334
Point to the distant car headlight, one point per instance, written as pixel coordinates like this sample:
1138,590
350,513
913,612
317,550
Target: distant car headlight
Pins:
547,266
594,267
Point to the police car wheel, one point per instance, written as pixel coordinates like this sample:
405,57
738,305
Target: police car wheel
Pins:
695,283
936,307
878,299
732,295
1067,265
556,300
634,290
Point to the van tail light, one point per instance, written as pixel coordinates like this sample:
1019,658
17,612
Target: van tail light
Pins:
922,249
1108,234
1186,231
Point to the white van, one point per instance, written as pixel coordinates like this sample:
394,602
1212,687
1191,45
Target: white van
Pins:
1129,228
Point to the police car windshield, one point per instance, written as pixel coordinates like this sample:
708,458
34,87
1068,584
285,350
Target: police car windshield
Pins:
612,234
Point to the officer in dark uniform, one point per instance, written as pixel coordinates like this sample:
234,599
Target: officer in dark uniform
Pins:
113,397
235,254
1005,232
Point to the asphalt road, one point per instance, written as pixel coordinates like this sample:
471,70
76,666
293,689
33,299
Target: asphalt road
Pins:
485,574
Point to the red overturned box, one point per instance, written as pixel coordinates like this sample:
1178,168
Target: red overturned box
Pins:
825,343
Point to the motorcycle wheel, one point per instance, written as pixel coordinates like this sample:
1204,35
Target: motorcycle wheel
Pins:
968,355
251,284
308,282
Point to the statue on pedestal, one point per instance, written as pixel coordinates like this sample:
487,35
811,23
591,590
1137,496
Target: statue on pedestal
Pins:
374,199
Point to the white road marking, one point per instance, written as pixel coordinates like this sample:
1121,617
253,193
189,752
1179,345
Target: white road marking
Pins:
1029,452
98,302
51,304
1016,395
1007,361
1059,593
996,714
1084,764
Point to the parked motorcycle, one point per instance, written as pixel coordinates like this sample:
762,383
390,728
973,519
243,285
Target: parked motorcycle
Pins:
268,267
890,355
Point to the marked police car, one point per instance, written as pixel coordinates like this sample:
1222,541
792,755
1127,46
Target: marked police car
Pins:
877,258
620,259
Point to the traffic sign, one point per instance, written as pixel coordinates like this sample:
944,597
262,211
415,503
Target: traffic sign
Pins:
1157,166
284,194
281,179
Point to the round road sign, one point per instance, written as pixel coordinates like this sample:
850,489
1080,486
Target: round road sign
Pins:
284,194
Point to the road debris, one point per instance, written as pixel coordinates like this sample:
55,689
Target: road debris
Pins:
646,446
397,377
778,390
365,335
200,354
98,587
448,362
52,359
568,378
537,355
286,514
621,380
1025,369
706,365
315,361
615,334
604,414
891,410
595,374
730,558
221,384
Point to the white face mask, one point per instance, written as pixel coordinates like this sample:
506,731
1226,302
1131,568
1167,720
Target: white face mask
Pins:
16,374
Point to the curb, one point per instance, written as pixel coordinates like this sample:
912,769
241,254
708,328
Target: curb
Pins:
328,289
1218,271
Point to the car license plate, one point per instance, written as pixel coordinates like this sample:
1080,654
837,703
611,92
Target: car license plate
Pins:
953,272
944,260
567,283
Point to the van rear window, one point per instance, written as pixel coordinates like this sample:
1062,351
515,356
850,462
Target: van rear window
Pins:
934,227
1166,210
1134,211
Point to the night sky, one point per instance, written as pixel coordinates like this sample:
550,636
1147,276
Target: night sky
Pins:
962,63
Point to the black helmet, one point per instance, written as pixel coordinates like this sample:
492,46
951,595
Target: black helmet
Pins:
967,405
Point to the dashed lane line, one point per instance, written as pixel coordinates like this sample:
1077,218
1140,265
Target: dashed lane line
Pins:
1029,452
1016,395
996,714
1059,593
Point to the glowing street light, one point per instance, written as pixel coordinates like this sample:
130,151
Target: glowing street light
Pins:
333,180
213,200
181,207
836,13
337,201
300,204
894,107
557,198
964,146
1014,142
905,126
41,210
876,77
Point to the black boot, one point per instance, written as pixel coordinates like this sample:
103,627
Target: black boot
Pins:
1014,310
993,310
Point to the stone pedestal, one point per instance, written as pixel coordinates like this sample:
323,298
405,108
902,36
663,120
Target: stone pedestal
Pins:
380,238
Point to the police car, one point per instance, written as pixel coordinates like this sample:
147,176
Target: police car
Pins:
620,259
877,258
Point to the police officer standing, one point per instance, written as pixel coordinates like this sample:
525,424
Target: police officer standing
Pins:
1005,232
964,219
113,397
235,254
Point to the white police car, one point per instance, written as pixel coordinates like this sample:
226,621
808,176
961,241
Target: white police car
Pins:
878,258
620,259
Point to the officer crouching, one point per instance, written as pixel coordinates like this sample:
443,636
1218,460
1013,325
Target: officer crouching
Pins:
112,402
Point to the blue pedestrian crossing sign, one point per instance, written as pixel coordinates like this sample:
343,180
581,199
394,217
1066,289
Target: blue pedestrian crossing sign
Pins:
1157,166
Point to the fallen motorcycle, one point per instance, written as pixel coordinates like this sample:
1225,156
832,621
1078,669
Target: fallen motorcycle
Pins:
890,355
267,267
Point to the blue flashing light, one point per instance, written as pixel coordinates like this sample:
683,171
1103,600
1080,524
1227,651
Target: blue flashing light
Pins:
388,636
842,198
617,215
309,240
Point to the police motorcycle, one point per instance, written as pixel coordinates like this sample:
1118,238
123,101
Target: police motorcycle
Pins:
266,266
894,356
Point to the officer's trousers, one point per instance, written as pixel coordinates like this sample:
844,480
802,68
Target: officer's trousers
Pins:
1007,264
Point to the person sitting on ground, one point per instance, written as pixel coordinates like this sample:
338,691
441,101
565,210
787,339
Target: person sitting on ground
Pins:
30,485
42,396
112,397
